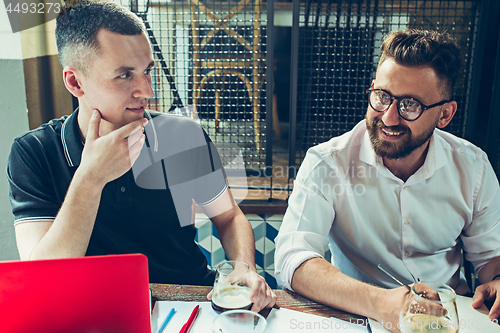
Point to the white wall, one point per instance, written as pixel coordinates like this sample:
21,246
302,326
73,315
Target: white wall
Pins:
13,122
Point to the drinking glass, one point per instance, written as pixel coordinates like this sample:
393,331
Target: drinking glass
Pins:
430,308
231,287
239,321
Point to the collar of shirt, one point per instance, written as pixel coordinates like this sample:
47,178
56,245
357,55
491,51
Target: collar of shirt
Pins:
435,159
71,141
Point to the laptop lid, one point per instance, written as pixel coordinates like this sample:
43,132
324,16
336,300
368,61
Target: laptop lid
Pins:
76,295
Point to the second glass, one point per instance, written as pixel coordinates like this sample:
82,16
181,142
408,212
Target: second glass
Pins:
232,287
430,308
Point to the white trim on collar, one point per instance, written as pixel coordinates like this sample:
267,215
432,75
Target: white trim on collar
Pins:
65,145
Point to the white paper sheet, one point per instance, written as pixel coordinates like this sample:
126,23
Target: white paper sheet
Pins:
202,324
286,321
471,320
278,321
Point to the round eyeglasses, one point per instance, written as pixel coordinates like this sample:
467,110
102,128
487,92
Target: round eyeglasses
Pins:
409,108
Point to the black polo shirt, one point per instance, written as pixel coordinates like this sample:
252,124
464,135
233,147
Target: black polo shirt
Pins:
137,212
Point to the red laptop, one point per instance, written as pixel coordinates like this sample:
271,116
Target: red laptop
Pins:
100,294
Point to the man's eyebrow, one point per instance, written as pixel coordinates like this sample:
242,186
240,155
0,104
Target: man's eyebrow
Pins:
418,98
123,69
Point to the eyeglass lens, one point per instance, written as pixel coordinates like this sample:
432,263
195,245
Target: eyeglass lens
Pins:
408,108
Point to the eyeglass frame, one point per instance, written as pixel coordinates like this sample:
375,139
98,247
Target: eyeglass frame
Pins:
399,99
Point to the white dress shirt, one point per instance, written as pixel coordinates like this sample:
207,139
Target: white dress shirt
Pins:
344,197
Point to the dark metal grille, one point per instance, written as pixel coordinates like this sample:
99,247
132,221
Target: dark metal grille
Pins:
339,49
212,55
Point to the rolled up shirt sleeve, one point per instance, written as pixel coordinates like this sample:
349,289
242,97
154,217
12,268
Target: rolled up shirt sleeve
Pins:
304,231
481,237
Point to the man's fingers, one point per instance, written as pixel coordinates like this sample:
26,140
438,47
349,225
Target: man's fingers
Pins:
426,292
256,295
487,292
135,149
479,296
262,296
93,129
125,131
495,310
256,299
274,299
135,136
267,299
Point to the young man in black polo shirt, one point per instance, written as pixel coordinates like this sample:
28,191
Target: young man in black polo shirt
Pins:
77,185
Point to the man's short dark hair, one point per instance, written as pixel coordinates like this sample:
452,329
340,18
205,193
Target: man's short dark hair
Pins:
416,48
78,24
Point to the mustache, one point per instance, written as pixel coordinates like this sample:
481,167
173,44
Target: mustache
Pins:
399,128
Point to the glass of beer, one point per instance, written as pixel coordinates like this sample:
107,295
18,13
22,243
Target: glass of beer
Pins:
231,287
430,308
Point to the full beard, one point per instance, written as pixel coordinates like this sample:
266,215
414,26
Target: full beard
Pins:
400,148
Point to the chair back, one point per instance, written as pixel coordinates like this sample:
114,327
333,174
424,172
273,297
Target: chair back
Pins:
226,43
226,19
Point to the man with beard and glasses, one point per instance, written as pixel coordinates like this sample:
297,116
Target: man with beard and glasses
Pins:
396,191
75,185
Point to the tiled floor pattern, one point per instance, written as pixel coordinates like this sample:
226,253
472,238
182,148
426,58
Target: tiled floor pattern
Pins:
265,228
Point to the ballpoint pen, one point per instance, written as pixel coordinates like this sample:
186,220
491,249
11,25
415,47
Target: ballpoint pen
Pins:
368,326
393,277
167,319
187,326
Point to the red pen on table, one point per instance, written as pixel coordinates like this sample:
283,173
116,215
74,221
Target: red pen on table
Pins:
189,323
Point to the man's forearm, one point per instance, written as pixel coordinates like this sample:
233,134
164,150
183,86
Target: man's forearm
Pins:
238,240
70,232
319,280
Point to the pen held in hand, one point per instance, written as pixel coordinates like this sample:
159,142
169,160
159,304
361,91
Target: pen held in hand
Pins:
393,277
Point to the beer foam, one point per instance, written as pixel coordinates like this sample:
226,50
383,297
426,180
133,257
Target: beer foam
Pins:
233,298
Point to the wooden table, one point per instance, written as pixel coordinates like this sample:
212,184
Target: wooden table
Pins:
286,299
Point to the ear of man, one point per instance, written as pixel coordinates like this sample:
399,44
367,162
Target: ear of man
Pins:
71,78
447,113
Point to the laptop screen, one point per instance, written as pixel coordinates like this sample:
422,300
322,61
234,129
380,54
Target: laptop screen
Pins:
87,294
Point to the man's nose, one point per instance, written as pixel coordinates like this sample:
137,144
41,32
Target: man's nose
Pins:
143,88
391,115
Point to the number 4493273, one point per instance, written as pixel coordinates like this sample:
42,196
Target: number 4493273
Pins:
34,8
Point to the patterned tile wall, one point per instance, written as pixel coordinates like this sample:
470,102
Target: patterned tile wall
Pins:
265,229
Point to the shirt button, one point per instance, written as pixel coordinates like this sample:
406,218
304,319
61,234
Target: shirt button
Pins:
407,222
123,189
